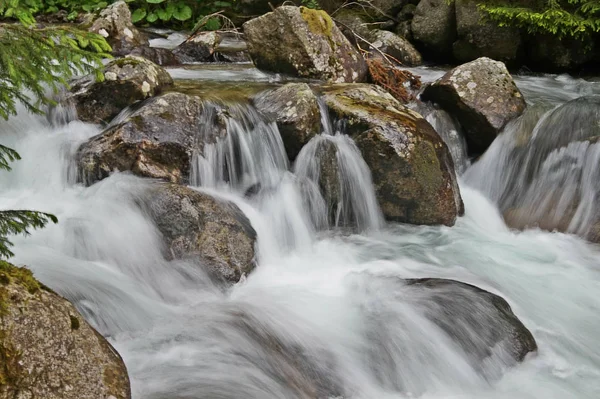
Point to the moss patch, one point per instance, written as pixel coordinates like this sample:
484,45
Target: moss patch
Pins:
319,23
18,275
74,322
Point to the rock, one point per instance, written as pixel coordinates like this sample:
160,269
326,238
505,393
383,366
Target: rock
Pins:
305,43
434,28
160,56
157,141
126,81
47,350
563,153
295,109
212,47
412,169
480,322
197,48
197,226
114,24
550,54
395,46
482,96
478,37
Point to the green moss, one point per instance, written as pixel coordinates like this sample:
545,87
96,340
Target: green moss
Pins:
167,116
121,62
427,170
18,275
319,23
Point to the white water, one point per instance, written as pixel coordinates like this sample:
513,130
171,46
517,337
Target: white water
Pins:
320,296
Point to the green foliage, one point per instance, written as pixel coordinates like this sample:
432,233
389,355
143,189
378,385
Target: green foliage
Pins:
579,19
72,7
314,4
179,13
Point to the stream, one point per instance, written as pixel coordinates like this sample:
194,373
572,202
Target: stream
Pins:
322,292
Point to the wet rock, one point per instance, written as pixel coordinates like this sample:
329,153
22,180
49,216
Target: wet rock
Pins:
114,24
482,96
47,350
156,141
480,322
434,28
126,81
305,43
480,37
412,169
295,109
197,226
212,47
395,46
160,56
564,153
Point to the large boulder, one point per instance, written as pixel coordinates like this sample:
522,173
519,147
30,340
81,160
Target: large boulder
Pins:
158,140
295,109
114,24
482,96
434,28
395,46
303,42
158,55
563,153
481,324
126,81
412,169
212,46
47,350
479,37
200,227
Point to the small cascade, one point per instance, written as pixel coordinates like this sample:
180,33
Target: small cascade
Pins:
335,165
450,131
543,169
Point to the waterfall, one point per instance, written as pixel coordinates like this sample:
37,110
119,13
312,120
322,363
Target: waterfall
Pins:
543,169
323,315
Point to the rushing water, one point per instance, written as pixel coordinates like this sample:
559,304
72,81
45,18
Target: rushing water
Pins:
326,299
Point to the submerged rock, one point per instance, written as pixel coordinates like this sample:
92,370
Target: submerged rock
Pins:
412,169
47,350
114,24
157,140
305,43
482,96
126,81
198,226
295,109
481,323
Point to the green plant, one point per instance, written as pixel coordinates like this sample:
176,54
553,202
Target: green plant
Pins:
72,7
181,13
561,18
33,60
314,4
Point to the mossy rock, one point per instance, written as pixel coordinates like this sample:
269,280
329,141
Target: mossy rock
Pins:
412,169
47,349
303,42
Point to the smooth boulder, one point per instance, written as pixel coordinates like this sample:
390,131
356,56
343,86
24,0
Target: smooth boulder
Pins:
481,37
158,140
114,24
126,81
197,226
412,169
303,42
160,56
47,349
434,28
295,109
482,96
